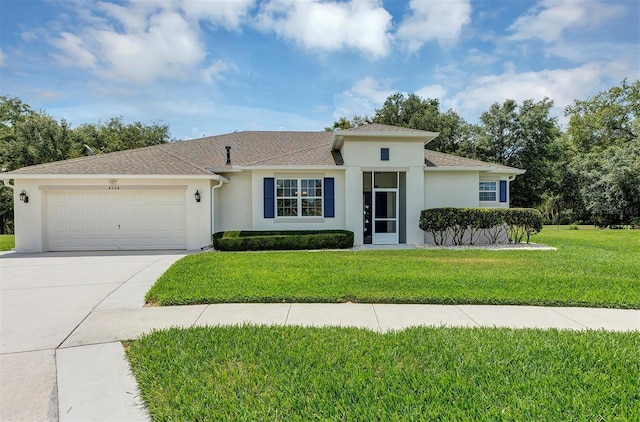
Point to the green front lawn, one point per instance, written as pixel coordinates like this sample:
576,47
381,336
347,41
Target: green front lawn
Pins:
7,242
598,268
293,373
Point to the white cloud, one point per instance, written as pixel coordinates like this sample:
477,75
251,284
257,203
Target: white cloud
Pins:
74,53
361,25
131,18
432,91
228,14
141,42
3,58
216,69
563,86
168,47
362,98
549,19
433,20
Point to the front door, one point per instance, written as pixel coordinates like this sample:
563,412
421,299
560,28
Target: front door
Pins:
385,216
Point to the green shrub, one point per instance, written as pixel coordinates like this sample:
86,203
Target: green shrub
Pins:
282,240
464,225
574,226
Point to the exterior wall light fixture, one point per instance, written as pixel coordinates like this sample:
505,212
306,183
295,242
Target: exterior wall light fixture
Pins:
23,197
197,195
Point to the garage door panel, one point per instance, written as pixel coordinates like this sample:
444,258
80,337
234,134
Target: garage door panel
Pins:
116,220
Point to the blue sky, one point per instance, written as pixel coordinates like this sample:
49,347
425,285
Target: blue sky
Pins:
212,67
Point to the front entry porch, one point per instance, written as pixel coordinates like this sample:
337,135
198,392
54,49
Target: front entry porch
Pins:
384,200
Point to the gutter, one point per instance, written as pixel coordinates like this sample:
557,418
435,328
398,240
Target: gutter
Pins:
221,181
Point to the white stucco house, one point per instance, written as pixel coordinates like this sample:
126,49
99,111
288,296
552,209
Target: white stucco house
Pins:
373,180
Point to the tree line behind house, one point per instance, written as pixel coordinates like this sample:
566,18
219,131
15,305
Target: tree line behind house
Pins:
588,172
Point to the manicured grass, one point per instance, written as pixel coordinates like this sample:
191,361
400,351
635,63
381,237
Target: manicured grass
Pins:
294,373
597,268
7,242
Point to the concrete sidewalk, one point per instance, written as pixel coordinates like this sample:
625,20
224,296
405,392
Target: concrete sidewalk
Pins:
106,326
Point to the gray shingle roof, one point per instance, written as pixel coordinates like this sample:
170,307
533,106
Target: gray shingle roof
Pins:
439,159
144,161
197,156
208,155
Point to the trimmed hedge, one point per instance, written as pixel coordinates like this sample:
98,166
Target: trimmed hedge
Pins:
465,225
282,240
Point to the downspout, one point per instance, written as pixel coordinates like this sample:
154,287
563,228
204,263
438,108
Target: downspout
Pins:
510,179
211,205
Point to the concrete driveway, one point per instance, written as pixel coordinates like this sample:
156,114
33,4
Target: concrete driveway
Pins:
43,299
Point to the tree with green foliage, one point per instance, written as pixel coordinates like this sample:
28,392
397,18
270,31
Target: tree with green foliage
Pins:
519,136
115,135
610,117
602,158
343,123
610,184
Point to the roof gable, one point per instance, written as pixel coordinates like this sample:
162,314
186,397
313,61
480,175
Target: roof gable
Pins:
378,130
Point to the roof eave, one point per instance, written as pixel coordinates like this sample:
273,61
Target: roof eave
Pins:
476,168
31,176
290,167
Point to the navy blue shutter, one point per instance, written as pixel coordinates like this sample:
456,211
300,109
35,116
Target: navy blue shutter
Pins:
269,197
329,197
503,191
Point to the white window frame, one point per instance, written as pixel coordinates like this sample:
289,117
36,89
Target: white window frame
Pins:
299,196
487,189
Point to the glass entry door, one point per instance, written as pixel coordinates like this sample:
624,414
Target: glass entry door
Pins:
385,216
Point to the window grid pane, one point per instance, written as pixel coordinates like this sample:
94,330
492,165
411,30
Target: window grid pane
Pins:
287,207
487,186
311,207
488,196
303,202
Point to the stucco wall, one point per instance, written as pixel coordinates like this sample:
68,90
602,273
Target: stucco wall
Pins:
450,189
28,217
234,202
365,152
31,224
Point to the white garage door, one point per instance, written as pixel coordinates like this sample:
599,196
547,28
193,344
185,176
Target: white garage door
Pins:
122,220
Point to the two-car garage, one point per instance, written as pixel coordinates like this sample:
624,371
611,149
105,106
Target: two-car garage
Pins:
138,199
115,220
